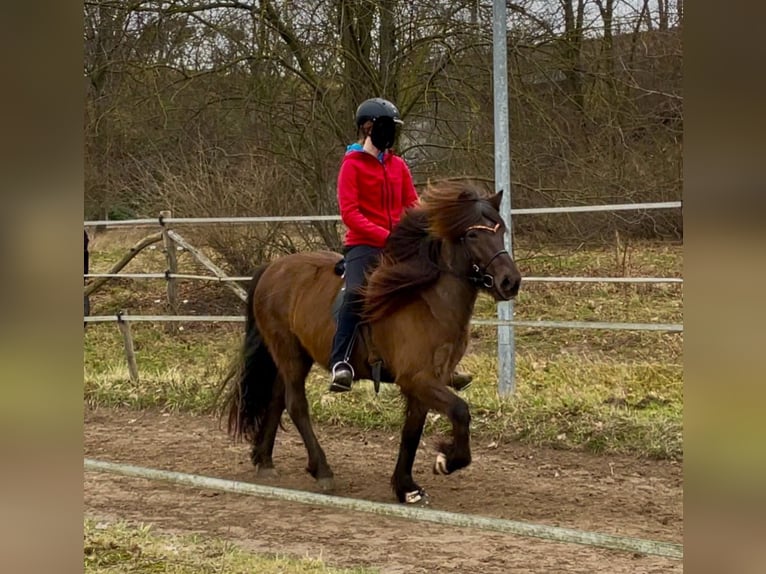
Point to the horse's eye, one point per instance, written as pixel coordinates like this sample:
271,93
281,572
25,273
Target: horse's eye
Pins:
472,235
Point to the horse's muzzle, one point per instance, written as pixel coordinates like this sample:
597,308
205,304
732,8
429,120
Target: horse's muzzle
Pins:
508,287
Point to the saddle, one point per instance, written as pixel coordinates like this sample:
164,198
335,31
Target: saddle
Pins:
379,373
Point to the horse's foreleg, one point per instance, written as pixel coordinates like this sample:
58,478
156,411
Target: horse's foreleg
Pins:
298,407
457,454
406,489
263,444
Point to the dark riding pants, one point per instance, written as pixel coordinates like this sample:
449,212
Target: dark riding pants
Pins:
359,259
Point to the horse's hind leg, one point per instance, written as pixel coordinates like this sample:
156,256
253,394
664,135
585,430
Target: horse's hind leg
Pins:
298,407
406,489
263,444
294,374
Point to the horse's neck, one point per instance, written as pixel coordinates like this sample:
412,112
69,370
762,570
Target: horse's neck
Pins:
458,298
456,294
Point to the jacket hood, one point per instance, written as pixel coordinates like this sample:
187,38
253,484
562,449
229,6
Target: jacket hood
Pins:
357,147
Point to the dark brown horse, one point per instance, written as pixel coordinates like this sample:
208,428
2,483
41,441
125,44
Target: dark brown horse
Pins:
418,305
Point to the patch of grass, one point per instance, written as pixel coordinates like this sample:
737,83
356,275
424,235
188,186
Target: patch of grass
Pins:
118,548
566,399
591,403
636,259
176,372
571,403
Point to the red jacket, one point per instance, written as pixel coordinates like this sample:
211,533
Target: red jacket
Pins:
372,196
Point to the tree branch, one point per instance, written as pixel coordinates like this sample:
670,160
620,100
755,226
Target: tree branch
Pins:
172,9
287,34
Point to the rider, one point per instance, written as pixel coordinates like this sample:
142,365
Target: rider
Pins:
374,188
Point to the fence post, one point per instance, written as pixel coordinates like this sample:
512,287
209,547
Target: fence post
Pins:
506,360
127,340
170,255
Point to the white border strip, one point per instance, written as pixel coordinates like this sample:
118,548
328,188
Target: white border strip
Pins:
555,533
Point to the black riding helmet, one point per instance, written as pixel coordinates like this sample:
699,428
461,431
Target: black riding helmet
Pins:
384,116
375,108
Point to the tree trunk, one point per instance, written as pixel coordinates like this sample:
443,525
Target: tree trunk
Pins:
572,46
107,23
387,71
361,80
662,11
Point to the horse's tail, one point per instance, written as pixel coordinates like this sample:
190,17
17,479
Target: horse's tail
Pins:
249,383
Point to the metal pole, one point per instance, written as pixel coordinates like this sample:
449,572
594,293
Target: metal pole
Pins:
505,345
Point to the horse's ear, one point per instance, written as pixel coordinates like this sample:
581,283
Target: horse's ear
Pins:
496,199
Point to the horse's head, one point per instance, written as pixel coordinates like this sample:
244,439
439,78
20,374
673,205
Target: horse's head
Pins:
464,218
491,266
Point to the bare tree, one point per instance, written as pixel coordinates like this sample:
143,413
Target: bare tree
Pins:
245,107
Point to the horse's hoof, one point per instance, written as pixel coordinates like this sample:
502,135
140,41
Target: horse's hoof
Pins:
326,484
417,497
266,472
440,466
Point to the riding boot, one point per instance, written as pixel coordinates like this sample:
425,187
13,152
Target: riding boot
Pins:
343,345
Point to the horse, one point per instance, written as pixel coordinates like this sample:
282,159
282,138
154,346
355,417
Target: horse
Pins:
417,306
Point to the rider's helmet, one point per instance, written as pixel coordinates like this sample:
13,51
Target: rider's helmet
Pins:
384,116
375,108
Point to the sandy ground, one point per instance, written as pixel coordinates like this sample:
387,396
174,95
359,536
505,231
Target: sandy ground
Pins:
608,494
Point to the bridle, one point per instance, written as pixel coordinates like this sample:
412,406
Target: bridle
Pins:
478,275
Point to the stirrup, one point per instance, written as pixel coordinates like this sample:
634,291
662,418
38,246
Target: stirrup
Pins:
342,377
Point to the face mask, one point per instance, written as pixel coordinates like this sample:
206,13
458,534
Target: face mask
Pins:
383,133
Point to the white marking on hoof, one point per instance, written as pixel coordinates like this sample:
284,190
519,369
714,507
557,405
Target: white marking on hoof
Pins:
326,484
413,497
441,463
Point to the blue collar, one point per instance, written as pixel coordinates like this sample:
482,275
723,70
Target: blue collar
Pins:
350,148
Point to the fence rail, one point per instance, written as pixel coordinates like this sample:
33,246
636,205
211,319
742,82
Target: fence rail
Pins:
311,218
606,325
526,279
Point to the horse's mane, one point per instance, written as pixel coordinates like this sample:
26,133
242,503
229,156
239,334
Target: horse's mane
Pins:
411,259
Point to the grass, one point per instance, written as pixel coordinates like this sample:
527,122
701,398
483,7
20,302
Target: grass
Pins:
117,548
571,403
601,391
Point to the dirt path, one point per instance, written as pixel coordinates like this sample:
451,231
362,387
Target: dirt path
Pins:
614,495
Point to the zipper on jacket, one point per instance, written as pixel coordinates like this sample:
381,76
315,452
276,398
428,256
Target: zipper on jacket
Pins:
383,188
386,194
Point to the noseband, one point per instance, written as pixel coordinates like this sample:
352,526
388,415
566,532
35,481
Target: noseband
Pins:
478,275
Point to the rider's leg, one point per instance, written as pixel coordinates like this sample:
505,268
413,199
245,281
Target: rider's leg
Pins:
348,319
359,259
